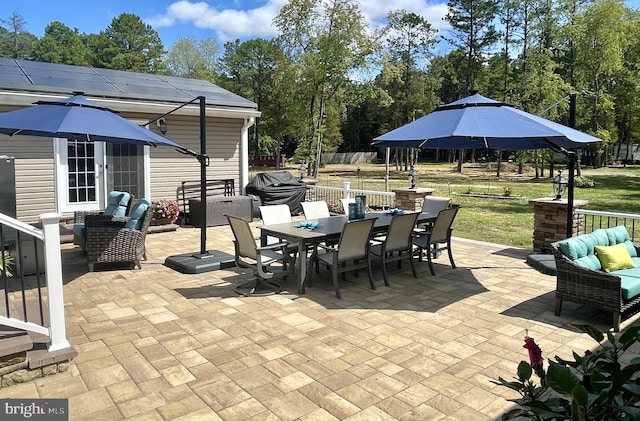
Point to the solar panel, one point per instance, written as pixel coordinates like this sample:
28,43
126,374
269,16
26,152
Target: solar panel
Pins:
132,85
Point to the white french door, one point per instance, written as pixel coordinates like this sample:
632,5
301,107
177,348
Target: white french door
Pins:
79,175
86,171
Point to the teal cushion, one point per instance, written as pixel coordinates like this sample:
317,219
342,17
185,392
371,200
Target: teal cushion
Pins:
117,202
580,246
629,282
617,235
136,216
600,237
631,249
590,261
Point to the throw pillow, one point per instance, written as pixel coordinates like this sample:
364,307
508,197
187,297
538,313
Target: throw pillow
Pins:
136,216
117,203
614,257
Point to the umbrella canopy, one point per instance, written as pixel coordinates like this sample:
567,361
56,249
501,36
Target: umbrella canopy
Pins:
78,118
477,122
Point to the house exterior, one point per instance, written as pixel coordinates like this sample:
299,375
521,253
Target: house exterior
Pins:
56,175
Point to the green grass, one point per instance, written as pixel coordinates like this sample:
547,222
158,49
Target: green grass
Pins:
508,222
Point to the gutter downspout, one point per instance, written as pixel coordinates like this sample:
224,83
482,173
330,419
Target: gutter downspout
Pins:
244,152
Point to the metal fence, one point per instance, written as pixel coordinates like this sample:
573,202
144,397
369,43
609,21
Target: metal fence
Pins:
591,220
332,195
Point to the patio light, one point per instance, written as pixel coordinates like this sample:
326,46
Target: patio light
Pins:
559,185
413,178
162,123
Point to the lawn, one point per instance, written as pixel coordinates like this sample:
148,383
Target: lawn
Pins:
508,222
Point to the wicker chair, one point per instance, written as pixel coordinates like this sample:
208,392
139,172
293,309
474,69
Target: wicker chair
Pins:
119,204
110,241
592,288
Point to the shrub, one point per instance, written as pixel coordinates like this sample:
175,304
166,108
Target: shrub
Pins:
583,182
590,387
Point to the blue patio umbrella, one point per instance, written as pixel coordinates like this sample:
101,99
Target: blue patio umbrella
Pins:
77,118
477,122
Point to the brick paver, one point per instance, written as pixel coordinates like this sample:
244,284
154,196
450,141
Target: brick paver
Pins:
159,345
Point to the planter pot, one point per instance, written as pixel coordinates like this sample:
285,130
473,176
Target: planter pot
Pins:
161,221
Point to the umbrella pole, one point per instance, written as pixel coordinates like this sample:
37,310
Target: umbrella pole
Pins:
203,178
386,169
571,157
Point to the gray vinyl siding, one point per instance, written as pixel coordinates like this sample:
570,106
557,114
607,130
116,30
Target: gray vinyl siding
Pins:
169,168
35,181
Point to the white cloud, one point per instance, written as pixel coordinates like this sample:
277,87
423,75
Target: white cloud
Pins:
229,24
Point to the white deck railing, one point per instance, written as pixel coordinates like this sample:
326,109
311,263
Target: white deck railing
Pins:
592,220
332,195
15,287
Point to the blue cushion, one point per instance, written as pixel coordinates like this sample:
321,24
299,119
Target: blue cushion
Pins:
629,282
79,229
117,203
137,214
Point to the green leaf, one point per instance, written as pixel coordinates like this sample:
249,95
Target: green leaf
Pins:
610,337
524,371
631,410
560,379
630,335
579,395
591,331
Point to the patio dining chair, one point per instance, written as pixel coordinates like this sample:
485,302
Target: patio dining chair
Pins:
278,214
349,254
433,204
397,245
438,238
260,259
345,204
315,209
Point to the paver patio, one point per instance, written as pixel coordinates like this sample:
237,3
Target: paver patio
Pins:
154,344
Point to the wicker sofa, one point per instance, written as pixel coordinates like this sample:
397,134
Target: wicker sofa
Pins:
581,279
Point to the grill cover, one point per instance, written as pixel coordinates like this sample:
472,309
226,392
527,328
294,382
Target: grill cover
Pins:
277,188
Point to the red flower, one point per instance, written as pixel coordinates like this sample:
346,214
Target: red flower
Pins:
535,353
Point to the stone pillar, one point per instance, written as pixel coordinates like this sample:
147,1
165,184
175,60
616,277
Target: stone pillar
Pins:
411,199
550,221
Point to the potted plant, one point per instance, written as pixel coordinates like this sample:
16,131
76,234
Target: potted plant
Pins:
164,211
593,386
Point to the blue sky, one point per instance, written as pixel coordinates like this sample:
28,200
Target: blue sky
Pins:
221,20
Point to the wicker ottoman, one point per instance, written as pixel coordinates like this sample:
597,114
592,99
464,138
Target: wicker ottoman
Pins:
218,207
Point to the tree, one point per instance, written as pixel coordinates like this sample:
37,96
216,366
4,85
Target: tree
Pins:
196,59
61,44
15,41
128,44
248,70
473,31
326,41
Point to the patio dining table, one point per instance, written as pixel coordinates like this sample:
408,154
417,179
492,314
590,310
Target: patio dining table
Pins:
326,229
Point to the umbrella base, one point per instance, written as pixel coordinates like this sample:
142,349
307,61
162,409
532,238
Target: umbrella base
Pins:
191,263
